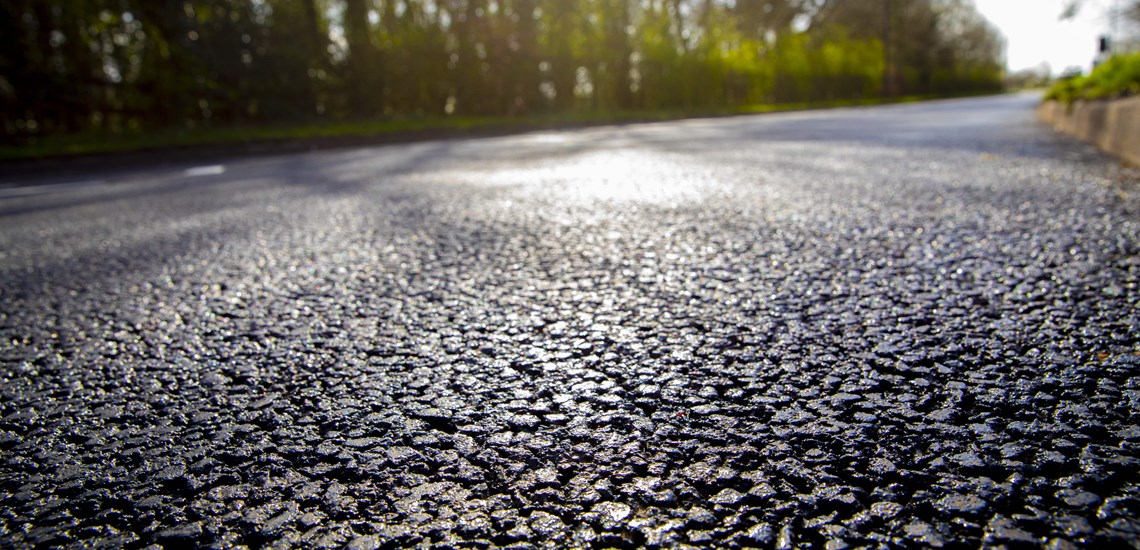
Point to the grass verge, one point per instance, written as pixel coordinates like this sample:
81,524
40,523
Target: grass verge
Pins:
393,129
1117,77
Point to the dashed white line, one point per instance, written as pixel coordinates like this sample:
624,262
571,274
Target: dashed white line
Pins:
30,190
199,171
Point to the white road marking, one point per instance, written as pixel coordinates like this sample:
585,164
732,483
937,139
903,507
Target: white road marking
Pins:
199,171
30,190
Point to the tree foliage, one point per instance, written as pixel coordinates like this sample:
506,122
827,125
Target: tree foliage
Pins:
1117,77
71,66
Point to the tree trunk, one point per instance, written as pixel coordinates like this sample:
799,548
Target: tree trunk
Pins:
365,79
618,41
318,41
526,59
563,66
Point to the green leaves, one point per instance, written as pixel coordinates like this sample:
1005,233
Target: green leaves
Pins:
1119,76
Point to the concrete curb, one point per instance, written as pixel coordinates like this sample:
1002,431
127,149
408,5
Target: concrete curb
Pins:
1114,126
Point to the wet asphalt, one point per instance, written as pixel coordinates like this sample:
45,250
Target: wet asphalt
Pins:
903,326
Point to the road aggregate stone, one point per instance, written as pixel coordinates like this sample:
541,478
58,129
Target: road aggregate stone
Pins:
902,327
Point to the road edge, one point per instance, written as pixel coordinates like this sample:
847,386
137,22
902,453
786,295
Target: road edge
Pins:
1112,125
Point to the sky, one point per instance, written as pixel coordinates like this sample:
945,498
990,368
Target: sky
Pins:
1035,34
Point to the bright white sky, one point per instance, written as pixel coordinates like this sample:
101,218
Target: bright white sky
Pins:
1035,34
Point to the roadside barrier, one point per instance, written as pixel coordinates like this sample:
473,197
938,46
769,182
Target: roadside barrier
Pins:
1114,125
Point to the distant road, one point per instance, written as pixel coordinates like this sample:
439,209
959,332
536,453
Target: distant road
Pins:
909,325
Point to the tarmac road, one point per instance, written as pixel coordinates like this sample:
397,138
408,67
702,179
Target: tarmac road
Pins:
904,326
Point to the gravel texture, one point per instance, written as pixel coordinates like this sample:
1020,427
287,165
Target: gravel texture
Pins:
909,326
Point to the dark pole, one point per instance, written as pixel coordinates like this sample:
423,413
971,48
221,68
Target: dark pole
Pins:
888,61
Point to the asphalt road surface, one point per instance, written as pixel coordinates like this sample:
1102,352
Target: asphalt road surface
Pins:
906,326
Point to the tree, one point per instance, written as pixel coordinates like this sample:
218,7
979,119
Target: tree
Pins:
562,43
126,65
613,69
364,74
524,77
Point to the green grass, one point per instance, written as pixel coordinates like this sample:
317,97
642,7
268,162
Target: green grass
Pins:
59,146
1117,77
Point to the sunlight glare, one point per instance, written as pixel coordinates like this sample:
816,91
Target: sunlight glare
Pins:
614,176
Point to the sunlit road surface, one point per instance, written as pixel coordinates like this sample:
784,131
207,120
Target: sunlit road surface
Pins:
912,325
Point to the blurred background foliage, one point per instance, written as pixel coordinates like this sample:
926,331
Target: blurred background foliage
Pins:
1119,76
114,66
